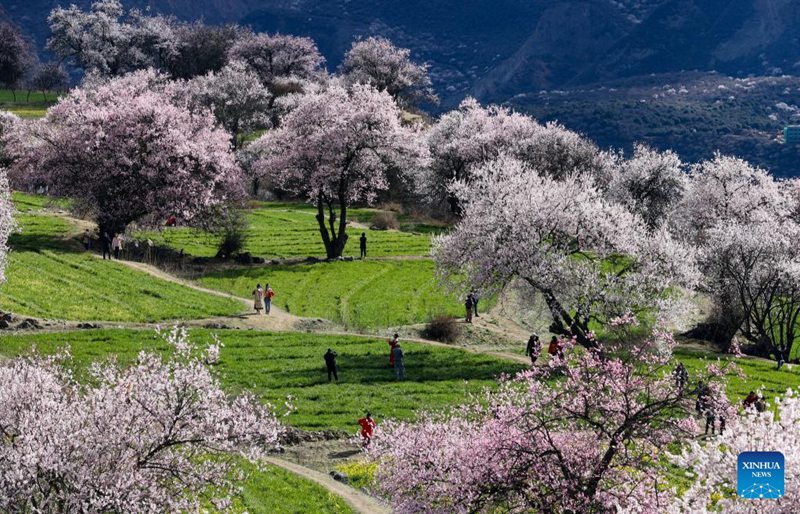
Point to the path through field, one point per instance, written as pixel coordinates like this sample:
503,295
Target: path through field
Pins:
356,499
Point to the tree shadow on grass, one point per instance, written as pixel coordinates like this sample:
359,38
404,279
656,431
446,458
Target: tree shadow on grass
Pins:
421,367
31,242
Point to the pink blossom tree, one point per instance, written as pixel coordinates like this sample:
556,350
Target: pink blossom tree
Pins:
378,62
125,151
336,148
151,437
589,258
710,465
581,434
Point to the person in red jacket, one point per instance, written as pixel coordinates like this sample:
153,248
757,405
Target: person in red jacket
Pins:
368,426
392,344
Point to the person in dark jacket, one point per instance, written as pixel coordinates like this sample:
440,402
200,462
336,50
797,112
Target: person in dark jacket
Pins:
363,241
469,304
399,362
105,244
330,363
534,348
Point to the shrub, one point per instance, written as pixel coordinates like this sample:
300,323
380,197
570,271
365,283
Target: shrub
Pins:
442,327
393,207
385,221
233,232
360,474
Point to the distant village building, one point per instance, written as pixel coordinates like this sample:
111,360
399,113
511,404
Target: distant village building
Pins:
791,134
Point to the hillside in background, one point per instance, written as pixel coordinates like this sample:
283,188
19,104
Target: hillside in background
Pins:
512,50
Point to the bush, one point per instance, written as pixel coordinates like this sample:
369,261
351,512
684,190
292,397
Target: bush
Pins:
360,474
233,232
393,207
443,328
384,221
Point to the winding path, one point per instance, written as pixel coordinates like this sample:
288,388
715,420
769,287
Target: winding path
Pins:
356,499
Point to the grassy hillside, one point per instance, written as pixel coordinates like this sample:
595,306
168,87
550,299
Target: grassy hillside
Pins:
35,107
48,277
278,365
290,230
358,294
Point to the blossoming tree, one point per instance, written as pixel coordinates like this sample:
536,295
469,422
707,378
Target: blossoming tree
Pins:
6,221
742,220
378,62
581,434
276,56
125,152
711,465
151,437
239,101
589,258
336,148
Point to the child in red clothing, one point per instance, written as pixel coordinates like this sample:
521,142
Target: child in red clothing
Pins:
368,425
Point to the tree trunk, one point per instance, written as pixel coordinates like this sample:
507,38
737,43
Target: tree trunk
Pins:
566,324
334,241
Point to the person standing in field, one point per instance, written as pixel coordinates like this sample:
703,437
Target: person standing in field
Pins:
475,302
393,342
330,364
105,244
268,294
258,298
368,426
363,241
468,303
534,348
399,362
116,245
87,240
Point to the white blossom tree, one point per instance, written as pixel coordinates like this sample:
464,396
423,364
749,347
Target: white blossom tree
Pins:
589,258
152,437
336,148
6,222
378,62
650,183
239,101
110,41
711,464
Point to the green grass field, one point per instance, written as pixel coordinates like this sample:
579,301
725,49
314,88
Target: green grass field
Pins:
278,365
290,230
277,490
48,278
360,294
36,107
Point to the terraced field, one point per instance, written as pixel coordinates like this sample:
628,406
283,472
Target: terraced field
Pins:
360,294
278,365
48,277
290,230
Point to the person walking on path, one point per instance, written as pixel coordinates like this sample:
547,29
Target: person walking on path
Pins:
330,364
258,298
368,426
534,348
393,342
116,245
680,376
268,294
399,362
468,303
475,299
552,349
363,241
105,244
